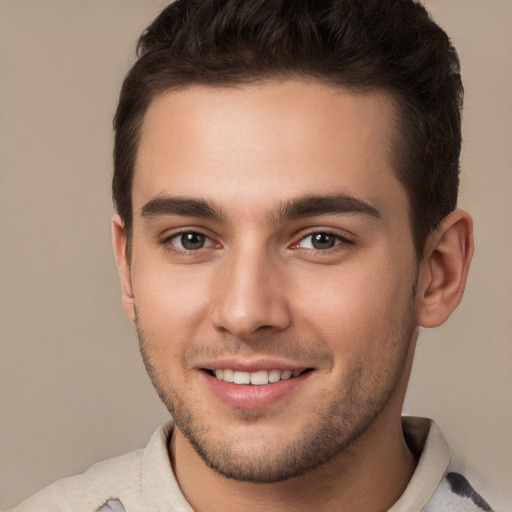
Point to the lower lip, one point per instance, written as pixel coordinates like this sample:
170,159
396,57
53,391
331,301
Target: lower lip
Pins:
249,396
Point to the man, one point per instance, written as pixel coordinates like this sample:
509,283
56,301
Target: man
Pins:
285,182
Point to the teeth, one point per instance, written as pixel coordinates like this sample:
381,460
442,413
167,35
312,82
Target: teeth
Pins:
228,375
274,375
242,378
286,374
255,378
259,378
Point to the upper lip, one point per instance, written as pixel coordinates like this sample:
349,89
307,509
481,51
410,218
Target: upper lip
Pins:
252,365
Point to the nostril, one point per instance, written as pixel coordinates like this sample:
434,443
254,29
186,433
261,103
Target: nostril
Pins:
265,328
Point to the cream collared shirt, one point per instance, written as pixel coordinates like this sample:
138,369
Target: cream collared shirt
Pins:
143,481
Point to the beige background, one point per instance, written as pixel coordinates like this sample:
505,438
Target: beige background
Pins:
72,389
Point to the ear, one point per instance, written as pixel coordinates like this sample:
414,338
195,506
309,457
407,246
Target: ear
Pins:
123,266
444,269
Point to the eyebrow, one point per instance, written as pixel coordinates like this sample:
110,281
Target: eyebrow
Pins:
330,204
304,206
189,207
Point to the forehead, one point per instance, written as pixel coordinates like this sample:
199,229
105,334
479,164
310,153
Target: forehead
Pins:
266,141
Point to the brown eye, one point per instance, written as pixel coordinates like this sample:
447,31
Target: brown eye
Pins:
190,241
320,241
323,241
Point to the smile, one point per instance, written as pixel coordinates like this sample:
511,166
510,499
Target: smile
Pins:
253,388
258,378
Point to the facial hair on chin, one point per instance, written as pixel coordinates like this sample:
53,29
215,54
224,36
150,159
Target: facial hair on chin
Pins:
328,431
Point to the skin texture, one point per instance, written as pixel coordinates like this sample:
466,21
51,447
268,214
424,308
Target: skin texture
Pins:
230,168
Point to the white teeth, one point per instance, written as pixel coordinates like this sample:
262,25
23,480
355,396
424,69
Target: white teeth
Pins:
228,375
242,378
286,374
258,378
274,375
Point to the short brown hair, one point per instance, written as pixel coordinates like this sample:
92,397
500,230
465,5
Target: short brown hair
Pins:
388,45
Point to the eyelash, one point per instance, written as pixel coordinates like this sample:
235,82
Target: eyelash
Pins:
339,240
170,246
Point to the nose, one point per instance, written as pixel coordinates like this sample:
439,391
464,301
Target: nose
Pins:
250,296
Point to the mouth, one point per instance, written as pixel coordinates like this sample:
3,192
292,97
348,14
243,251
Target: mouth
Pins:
256,378
255,384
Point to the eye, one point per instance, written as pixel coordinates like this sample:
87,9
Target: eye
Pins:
320,241
190,241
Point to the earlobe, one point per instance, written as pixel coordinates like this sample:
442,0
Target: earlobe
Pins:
444,269
123,266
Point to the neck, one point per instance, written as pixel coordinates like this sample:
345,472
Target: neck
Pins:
369,475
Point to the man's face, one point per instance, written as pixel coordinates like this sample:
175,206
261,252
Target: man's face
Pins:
271,244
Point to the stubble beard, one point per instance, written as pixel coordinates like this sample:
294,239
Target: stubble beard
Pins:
326,434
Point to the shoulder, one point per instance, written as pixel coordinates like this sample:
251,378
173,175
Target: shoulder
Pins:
119,484
103,485
461,489
441,482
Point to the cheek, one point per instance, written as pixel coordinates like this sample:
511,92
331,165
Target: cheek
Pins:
170,304
359,308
